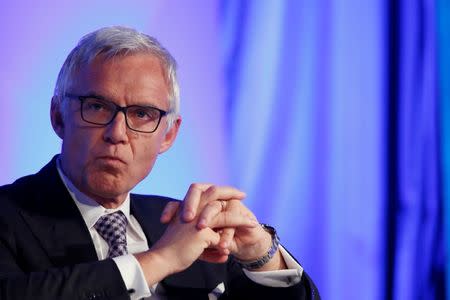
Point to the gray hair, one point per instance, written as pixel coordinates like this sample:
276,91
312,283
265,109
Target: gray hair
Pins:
111,42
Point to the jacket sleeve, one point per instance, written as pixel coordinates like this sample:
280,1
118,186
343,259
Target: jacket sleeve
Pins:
239,286
26,271
83,281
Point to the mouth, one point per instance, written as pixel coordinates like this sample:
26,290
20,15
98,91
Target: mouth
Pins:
110,159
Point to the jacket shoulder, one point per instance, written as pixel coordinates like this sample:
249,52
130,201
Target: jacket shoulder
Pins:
14,195
153,202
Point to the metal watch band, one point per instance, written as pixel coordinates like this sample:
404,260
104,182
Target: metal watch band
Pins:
258,263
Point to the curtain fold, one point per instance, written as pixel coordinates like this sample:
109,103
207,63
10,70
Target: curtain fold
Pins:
335,136
305,91
443,42
418,267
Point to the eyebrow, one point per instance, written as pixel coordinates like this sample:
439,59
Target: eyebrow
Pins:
96,95
101,97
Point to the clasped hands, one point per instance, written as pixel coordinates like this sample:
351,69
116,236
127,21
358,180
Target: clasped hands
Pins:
210,224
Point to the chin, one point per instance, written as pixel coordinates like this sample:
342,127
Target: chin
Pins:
107,186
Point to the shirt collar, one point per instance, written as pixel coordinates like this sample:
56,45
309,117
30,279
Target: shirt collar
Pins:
90,210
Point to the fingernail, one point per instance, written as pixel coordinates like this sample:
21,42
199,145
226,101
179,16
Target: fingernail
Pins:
202,223
164,217
188,215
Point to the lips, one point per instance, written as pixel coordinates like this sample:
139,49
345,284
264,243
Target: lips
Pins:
111,159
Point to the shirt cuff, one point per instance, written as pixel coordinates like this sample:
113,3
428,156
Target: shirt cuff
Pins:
279,278
132,276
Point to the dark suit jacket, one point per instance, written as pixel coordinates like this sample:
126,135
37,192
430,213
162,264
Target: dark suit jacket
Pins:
46,251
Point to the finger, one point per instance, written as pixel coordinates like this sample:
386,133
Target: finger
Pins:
211,237
232,207
214,193
211,195
226,237
169,211
213,255
232,219
192,201
210,211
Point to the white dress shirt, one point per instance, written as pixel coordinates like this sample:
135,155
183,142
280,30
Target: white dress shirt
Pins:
130,268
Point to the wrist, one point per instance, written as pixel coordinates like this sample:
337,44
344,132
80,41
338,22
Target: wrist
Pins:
262,240
269,258
154,266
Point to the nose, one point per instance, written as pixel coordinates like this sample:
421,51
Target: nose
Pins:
116,131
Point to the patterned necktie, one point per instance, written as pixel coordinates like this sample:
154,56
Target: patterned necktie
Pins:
113,229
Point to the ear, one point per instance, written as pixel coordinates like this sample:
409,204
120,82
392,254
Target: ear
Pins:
170,136
57,117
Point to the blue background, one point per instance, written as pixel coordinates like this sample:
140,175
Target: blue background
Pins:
331,114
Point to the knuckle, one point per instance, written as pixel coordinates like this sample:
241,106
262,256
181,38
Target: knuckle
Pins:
194,186
212,190
217,205
236,202
208,232
199,186
172,207
225,218
208,212
227,233
173,203
233,189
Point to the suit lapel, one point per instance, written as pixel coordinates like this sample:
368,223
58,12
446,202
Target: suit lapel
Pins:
146,211
55,220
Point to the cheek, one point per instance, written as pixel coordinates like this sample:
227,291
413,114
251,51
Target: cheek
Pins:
145,156
78,144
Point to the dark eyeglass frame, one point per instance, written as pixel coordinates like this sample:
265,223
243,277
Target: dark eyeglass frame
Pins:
82,99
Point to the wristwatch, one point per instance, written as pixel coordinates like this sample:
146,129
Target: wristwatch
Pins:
258,263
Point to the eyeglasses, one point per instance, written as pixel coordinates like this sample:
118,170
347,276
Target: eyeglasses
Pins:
98,111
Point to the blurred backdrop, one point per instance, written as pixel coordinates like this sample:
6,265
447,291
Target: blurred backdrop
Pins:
333,116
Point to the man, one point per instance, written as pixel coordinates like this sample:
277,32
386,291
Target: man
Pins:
74,231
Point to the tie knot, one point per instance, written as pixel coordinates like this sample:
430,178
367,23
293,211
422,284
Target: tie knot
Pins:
113,229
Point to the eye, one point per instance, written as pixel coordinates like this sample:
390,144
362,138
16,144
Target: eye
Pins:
94,105
144,113
141,114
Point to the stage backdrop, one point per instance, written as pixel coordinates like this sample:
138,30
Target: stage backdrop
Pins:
331,115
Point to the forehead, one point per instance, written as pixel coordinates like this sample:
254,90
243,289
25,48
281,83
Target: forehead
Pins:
126,79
